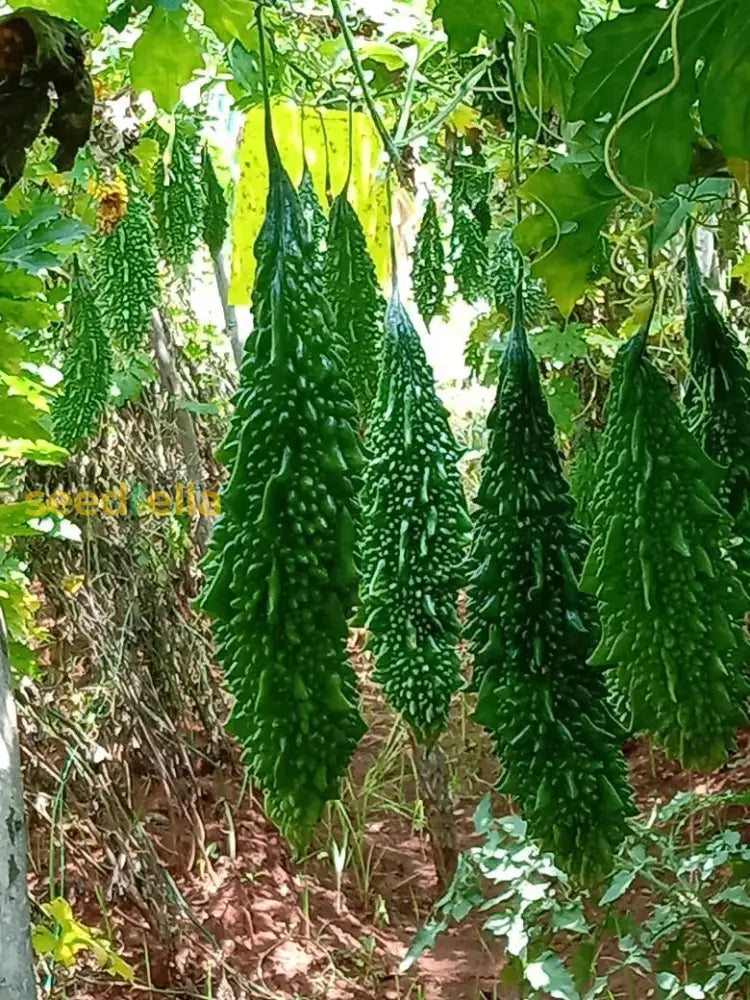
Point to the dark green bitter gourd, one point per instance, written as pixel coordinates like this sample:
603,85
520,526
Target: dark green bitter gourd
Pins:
315,218
215,208
670,599
428,271
717,400
468,245
355,299
414,537
87,368
532,631
281,575
178,198
126,273
504,257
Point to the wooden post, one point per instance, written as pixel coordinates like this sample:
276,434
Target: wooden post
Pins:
17,981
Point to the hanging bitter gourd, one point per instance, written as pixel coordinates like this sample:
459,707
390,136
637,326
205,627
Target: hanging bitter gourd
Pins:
87,368
670,599
531,631
503,264
355,299
178,197
215,208
126,272
315,218
717,400
281,573
414,536
468,244
428,271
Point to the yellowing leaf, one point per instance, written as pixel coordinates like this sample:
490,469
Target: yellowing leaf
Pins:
464,118
72,584
165,56
367,190
229,19
146,153
740,170
742,270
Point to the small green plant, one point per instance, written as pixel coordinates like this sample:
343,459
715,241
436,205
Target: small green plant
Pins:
693,940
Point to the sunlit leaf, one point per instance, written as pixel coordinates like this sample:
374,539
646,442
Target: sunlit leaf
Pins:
165,56
229,19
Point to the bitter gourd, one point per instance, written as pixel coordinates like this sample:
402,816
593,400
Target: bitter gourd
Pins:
503,264
281,573
315,217
670,599
215,208
468,245
414,536
717,401
355,299
87,367
178,197
532,631
126,273
428,271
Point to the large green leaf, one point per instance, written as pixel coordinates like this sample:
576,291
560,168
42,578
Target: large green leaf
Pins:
36,239
573,208
725,94
655,146
554,20
617,48
464,22
88,13
165,56
230,19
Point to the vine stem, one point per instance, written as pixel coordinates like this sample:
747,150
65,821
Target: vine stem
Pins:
383,132
672,23
464,89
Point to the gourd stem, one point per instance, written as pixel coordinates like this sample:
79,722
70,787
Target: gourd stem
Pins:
518,329
351,147
274,160
360,74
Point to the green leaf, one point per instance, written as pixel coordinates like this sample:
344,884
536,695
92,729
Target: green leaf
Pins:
165,57
195,407
483,815
574,210
655,146
554,20
549,974
558,344
230,19
463,23
563,401
423,941
736,895
88,13
617,47
725,95
618,887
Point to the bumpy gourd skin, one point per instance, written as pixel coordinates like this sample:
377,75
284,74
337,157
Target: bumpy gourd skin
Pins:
531,631
126,272
670,600
717,400
281,575
215,208
468,245
316,222
414,538
355,299
428,271
503,270
178,197
87,368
